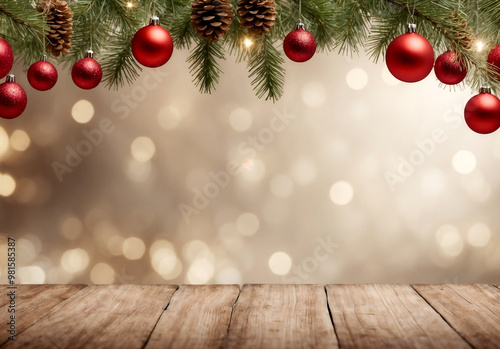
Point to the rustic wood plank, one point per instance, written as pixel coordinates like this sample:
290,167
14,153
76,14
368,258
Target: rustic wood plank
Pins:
281,316
472,310
387,316
33,302
113,316
197,317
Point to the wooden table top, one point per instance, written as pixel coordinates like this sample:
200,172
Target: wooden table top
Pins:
255,316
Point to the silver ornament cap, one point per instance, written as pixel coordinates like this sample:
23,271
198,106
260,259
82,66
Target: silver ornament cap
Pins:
89,53
10,78
412,28
485,89
154,21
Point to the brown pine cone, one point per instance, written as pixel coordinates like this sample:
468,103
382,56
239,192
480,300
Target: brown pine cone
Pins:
464,33
257,15
211,18
60,19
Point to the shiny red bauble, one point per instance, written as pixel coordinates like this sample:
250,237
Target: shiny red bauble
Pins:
42,75
87,73
482,113
410,57
494,60
299,45
449,68
152,46
6,58
13,99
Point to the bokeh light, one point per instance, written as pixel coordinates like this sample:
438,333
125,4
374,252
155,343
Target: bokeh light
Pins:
169,117
464,161
240,119
7,185
247,223
357,79
313,94
143,149
82,111
74,261
341,193
4,141
479,235
449,240
19,140
133,248
280,263
102,273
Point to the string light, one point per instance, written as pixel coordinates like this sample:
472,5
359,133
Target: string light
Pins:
130,5
480,46
247,42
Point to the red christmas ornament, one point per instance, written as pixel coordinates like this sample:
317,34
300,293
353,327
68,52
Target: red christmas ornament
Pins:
6,58
299,45
482,112
13,99
410,56
152,46
494,60
87,72
42,75
449,68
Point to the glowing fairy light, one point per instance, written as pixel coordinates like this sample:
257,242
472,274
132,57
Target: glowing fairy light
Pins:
479,46
130,5
247,42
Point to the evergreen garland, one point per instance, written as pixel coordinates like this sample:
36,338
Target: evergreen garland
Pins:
343,26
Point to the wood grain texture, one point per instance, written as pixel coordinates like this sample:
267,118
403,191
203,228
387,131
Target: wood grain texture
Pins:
281,316
33,302
472,310
197,317
114,316
387,316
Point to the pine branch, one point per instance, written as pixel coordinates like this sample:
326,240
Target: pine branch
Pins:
204,66
23,28
118,64
181,30
265,66
352,26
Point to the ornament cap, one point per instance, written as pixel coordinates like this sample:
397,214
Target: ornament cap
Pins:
154,21
412,28
485,89
89,54
44,57
10,78
300,25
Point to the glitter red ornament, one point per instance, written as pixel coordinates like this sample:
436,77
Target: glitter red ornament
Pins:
410,56
87,72
13,99
6,58
494,60
482,112
42,75
449,68
299,45
152,46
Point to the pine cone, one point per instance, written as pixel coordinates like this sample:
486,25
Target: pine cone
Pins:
60,19
464,33
211,18
257,15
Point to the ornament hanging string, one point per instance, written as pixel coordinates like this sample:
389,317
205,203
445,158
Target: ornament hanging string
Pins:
300,11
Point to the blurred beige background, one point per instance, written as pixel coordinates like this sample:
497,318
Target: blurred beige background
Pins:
350,177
